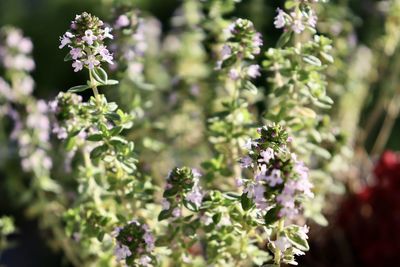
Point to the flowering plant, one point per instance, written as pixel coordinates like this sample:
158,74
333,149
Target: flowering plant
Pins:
254,187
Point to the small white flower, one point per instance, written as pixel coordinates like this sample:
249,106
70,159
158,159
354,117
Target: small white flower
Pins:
107,33
92,62
89,37
77,65
297,24
122,21
266,155
165,204
274,178
76,53
121,252
144,260
177,212
253,71
280,21
195,196
282,243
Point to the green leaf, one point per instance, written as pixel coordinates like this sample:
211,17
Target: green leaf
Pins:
112,82
250,87
78,88
170,192
246,202
296,239
190,206
67,57
96,152
100,75
95,137
164,214
284,39
271,216
312,60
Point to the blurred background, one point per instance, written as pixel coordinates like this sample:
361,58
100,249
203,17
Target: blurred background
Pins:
364,220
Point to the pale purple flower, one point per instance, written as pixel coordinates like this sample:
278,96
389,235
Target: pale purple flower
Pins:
257,42
274,178
92,62
89,37
266,155
14,37
282,243
76,53
297,24
260,175
226,52
288,212
303,231
149,240
122,21
246,162
65,39
77,65
177,212
249,189
312,19
234,74
239,182
259,199
165,204
280,21
206,220
144,260
25,45
253,71
195,196
121,252
105,54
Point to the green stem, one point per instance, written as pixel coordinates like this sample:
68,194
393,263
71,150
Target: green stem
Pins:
94,86
278,253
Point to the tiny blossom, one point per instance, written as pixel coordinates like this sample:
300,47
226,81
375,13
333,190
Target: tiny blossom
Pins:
226,52
297,24
239,182
89,37
274,178
121,252
144,260
234,74
107,33
149,239
177,212
282,243
312,19
92,62
77,65
259,199
280,21
122,21
105,54
257,42
304,231
165,204
195,196
249,189
76,53
206,220
266,155
64,41
246,162
253,71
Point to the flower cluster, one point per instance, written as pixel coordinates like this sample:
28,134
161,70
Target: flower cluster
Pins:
15,50
279,177
243,43
276,186
182,188
86,42
135,244
297,20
